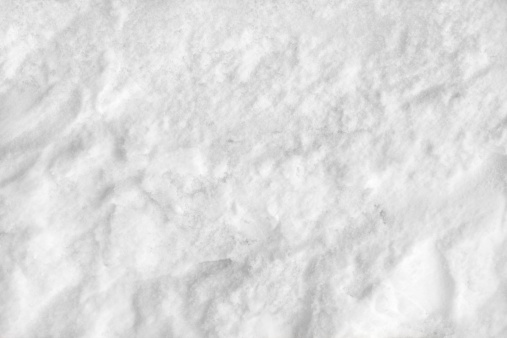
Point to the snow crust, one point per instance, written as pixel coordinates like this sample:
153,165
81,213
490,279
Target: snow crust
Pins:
255,169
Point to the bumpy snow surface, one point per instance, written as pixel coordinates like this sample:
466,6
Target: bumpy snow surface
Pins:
253,169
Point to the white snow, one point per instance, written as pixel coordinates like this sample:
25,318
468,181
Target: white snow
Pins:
253,169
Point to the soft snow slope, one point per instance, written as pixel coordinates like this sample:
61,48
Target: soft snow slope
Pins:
253,169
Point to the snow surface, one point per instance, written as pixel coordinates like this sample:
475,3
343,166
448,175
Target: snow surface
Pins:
263,169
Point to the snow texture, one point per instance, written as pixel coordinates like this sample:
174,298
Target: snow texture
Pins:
253,169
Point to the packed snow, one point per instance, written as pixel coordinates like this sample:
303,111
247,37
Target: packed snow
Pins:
253,169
